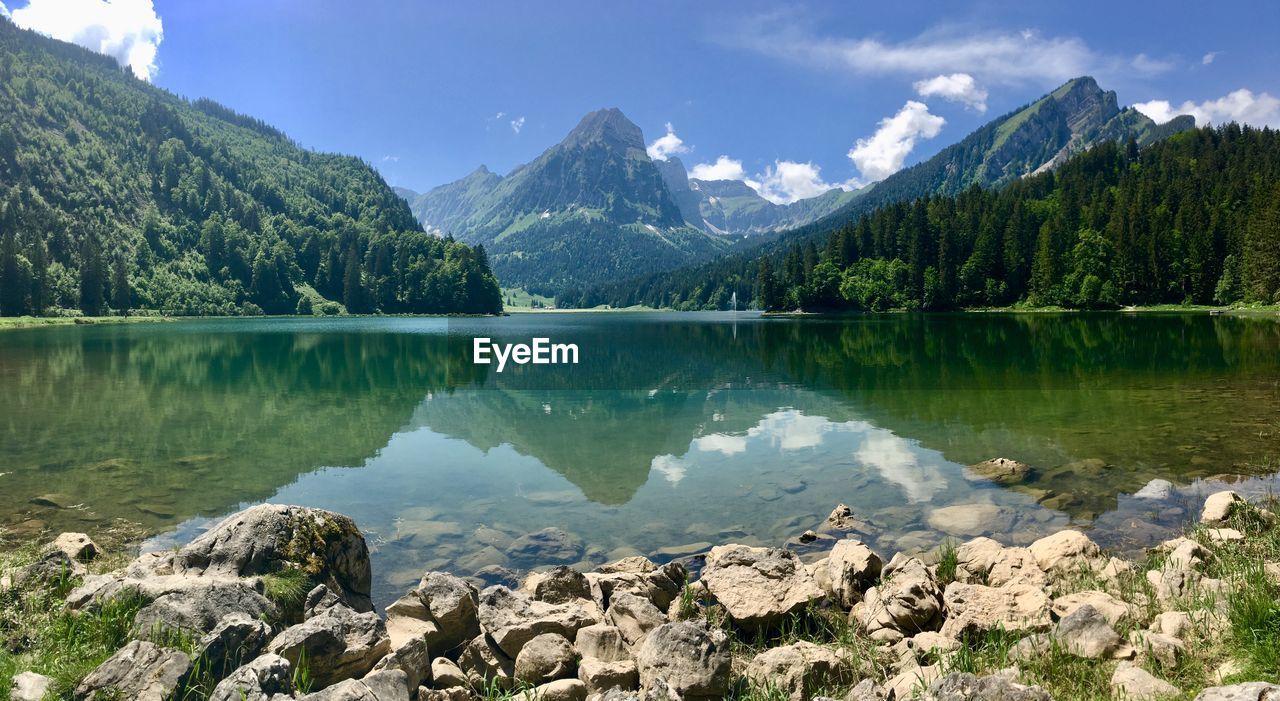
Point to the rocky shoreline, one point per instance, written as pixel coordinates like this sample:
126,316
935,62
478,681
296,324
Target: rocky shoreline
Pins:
274,603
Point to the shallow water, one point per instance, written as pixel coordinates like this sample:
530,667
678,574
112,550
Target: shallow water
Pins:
673,431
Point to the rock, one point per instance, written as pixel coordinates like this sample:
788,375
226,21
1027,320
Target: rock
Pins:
1157,489
799,670
260,680
962,686
338,644
758,586
77,546
1174,585
513,619
562,690
634,616
549,546
1133,682
413,658
639,576
1173,623
1251,691
1111,608
486,665
1224,535
1184,553
842,519
601,641
975,608
545,658
1165,649
386,685
494,575
601,675
1066,551
562,585
908,601
139,671
52,569
688,657
196,605
29,686
445,674
866,690
930,641
235,640
852,568
970,519
905,684
1001,470
1219,506
985,561
1085,633
443,610
452,693
268,538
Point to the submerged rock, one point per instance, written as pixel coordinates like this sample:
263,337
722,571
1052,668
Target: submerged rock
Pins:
1001,470
549,546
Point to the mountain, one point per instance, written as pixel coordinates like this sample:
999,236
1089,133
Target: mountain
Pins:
732,208
116,194
1033,139
590,209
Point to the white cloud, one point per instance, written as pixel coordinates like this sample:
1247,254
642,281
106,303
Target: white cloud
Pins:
992,56
884,153
670,467
517,124
391,159
499,115
4,11
783,182
667,145
724,168
957,87
1208,58
787,181
1143,63
128,30
1245,106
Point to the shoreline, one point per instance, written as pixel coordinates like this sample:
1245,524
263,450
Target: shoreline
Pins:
1059,618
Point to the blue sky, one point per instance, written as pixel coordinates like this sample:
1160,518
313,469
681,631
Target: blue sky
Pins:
792,98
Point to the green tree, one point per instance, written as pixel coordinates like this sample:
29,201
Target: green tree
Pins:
353,293
93,278
768,291
13,288
121,294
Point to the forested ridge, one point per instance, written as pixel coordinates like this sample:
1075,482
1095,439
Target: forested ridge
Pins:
1191,219
115,194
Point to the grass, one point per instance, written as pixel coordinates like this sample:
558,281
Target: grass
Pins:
22,322
39,634
288,588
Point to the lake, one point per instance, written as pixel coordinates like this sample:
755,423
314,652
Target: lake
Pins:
673,431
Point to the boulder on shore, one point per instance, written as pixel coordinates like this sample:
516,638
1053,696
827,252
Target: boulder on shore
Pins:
758,586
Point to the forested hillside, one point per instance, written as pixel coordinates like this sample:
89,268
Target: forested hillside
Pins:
115,194
1193,219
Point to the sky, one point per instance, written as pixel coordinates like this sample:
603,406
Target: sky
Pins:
791,98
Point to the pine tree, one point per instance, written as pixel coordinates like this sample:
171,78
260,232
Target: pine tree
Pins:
93,278
768,291
1262,250
13,293
120,293
39,278
352,284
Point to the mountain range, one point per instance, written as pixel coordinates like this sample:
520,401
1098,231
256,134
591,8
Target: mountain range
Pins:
596,209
